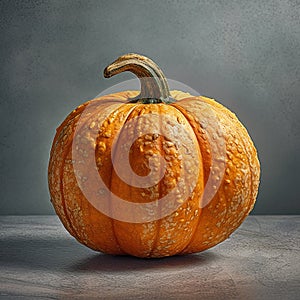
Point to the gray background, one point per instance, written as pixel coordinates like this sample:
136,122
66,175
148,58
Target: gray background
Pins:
243,53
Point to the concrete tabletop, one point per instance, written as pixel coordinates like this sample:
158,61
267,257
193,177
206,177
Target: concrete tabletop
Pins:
39,259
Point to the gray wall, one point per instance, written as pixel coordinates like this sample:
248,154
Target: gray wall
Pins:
243,53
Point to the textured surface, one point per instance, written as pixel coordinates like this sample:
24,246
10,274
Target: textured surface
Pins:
208,187
243,53
260,261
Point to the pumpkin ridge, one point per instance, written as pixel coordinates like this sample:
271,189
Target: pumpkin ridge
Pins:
61,171
241,139
104,100
250,200
211,103
68,147
66,152
110,180
212,107
185,114
241,134
68,122
98,102
204,209
233,121
59,134
226,216
159,221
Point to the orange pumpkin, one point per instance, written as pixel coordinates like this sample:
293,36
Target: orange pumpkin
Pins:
154,173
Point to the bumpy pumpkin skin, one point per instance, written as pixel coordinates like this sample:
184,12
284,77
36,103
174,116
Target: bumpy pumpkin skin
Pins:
190,228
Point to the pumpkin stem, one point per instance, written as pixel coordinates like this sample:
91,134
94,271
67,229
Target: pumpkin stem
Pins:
154,86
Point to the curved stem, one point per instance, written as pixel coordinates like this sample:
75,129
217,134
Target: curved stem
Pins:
154,86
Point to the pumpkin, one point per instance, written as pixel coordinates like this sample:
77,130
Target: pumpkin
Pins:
152,174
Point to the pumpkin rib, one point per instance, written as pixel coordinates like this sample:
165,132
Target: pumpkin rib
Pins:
232,121
112,112
144,232
225,218
60,133
206,210
117,224
106,171
68,148
94,102
111,177
243,131
250,199
185,115
87,121
250,156
69,145
159,221
245,214
172,241
65,154
230,228
190,118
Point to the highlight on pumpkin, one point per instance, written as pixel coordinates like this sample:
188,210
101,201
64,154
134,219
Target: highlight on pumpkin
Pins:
151,152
